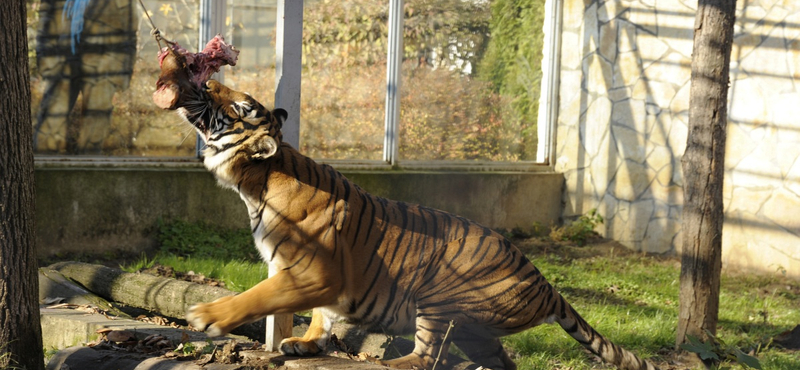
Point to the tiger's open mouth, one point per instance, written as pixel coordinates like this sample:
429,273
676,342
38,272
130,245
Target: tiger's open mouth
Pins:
182,82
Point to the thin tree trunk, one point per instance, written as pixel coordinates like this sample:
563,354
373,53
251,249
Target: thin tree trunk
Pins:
703,169
20,332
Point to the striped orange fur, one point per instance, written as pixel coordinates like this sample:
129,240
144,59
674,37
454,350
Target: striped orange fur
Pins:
350,255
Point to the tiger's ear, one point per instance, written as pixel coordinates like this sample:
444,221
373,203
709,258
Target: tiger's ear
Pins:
266,146
280,115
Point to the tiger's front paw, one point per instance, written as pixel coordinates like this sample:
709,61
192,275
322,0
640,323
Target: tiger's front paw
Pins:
299,347
216,318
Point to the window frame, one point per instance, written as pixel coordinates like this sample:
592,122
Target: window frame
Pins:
548,103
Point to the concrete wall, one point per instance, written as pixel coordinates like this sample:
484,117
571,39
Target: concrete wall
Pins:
104,209
623,117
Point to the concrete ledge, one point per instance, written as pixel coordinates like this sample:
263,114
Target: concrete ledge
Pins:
115,207
62,328
67,330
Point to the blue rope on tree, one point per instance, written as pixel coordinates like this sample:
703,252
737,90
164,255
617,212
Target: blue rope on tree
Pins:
74,9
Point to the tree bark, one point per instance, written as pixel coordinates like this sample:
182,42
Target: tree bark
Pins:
20,331
703,170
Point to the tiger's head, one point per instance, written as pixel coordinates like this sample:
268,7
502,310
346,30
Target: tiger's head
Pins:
232,122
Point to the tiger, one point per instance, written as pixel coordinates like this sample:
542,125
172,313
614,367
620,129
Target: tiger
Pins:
349,255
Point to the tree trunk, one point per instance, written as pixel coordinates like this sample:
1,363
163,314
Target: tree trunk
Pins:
20,332
703,169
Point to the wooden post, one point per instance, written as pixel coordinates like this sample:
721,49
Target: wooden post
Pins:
288,59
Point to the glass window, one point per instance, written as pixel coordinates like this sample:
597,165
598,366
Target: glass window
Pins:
92,78
251,25
470,80
344,79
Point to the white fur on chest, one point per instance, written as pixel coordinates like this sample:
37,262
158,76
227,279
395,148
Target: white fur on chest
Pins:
265,237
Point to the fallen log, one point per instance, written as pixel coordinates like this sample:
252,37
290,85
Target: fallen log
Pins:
169,297
54,288
165,296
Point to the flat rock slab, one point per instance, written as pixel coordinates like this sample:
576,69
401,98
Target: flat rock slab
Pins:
62,328
78,358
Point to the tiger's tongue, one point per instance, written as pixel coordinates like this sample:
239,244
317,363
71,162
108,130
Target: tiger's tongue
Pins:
182,70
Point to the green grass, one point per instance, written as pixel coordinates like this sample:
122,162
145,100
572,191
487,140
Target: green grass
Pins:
633,300
226,255
630,298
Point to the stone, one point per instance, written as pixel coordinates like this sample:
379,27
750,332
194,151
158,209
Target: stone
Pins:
792,33
590,30
738,145
627,36
630,113
678,22
594,128
782,208
757,244
661,159
573,14
680,102
631,180
785,111
792,178
660,93
755,171
598,74
619,94
603,167
650,47
673,68
595,122
671,194
610,10
631,144
660,235
638,217
745,199
658,126
571,55
571,92
644,18
608,40
678,133
628,69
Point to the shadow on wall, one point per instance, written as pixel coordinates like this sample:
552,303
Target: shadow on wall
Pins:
623,125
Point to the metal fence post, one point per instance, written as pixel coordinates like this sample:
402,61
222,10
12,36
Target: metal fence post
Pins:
212,22
288,54
394,63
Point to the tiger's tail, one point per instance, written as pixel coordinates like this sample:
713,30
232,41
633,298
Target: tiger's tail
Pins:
578,328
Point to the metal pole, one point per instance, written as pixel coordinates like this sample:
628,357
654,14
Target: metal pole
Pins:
288,54
288,66
212,22
548,99
393,66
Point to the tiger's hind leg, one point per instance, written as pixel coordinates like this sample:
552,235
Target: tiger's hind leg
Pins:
483,349
314,341
429,341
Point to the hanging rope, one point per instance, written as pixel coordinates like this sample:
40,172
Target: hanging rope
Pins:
155,32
